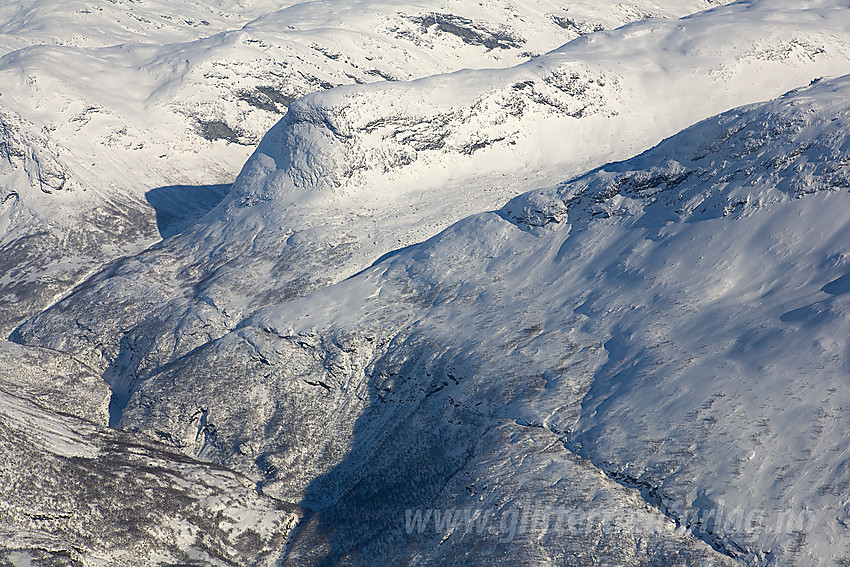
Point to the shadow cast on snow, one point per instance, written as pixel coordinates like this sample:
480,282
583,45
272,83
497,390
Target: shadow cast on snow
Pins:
180,206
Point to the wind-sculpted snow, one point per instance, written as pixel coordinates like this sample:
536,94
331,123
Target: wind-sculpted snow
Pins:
677,320
744,159
575,105
100,104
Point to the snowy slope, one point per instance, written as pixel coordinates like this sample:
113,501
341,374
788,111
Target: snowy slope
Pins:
103,106
355,173
644,364
677,321
53,380
77,493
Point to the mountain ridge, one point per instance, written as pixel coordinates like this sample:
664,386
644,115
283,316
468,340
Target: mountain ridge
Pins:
404,347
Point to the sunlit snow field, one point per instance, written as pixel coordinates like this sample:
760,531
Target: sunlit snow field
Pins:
340,282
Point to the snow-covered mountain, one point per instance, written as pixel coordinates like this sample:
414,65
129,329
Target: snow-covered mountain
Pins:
627,361
645,320
647,317
121,118
350,175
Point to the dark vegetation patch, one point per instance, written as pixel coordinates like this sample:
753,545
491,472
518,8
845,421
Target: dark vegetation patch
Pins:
468,31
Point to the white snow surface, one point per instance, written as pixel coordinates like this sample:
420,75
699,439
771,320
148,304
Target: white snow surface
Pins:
680,319
352,174
107,109
663,339
382,166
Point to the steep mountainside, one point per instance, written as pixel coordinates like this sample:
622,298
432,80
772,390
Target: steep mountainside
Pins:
78,493
677,321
